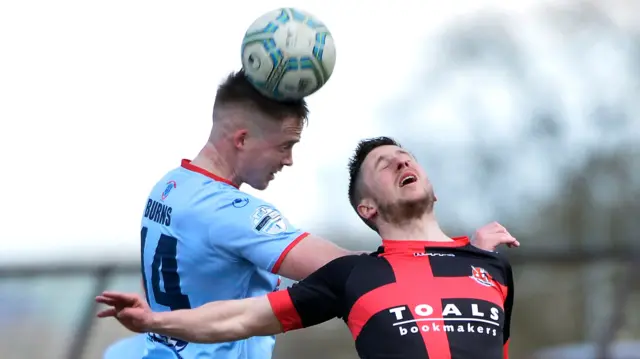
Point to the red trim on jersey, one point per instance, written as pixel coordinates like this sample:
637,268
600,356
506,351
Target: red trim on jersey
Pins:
365,307
186,164
391,245
284,310
505,352
276,266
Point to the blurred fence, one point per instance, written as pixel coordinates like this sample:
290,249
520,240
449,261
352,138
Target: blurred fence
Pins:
48,311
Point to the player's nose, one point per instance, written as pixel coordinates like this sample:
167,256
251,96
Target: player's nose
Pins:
287,161
402,164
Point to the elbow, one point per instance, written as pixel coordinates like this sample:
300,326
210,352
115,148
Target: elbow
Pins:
256,326
240,323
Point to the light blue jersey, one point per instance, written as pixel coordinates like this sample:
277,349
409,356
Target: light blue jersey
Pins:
205,240
127,348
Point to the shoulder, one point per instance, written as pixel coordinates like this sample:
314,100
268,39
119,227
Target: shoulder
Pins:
193,192
502,261
234,209
221,199
506,267
348,261
498,260
493,256
342,267
335,274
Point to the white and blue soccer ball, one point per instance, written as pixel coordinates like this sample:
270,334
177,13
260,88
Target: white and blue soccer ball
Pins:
288,54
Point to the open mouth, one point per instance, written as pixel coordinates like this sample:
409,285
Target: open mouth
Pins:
408,179
273,174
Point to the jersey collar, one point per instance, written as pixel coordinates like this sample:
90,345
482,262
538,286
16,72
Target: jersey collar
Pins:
408,245
186,164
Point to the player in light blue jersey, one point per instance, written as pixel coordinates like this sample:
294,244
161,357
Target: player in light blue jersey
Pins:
205,240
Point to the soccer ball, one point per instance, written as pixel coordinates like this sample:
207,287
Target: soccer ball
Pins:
288,54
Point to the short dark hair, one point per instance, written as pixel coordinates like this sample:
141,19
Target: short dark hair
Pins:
238,90
355,163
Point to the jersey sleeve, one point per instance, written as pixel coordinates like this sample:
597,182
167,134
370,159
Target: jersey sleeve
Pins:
254,230
316,299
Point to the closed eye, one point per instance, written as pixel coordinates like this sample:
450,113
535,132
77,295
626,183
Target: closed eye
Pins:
288,145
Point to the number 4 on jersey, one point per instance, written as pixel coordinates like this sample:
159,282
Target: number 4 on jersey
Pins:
164,264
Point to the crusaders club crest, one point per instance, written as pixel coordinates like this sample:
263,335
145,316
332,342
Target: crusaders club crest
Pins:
481,276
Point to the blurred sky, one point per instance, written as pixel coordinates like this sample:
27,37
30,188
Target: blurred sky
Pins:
100,99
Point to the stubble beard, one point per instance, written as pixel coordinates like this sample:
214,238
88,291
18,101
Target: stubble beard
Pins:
404,211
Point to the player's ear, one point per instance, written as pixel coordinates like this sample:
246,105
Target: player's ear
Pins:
239,138
367,209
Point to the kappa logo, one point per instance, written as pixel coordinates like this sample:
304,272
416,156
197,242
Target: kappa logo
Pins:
268,220
240,202
481,276
431,254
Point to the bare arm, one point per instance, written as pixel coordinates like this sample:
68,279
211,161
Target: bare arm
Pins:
307,256
222,321
313,252
312,301
262,235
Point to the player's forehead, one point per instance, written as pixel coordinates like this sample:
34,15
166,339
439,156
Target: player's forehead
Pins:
286,129
292,126
382,153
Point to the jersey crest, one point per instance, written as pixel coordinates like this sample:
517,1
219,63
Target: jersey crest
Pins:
481,276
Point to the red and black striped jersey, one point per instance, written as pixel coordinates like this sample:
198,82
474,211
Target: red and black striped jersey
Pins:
410,299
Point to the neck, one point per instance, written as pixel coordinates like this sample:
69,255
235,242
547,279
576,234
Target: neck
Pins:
211,158
425,228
